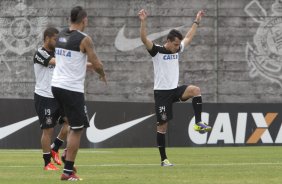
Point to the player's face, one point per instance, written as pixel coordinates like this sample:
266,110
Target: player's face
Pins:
173,46
52,42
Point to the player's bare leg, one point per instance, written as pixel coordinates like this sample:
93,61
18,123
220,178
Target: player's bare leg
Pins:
46,139
58,142
73,143
190,92
64,131
45,143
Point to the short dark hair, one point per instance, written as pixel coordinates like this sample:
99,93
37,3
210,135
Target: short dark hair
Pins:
174,34
49,32
77,14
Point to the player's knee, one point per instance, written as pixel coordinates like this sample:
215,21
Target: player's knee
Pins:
162,128
196,91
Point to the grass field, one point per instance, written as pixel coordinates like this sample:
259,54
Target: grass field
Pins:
226,165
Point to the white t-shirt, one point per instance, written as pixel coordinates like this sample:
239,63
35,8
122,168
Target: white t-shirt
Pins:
166,67
71,64
43,72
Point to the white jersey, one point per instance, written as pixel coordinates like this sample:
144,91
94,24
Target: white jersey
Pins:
43,72
70,68
166,67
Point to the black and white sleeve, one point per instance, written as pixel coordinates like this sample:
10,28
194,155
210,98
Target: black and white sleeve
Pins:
154,50
42,57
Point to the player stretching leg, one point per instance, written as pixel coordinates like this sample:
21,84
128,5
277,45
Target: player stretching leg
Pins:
166,76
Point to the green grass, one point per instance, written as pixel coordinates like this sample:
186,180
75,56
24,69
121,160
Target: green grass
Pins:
226,165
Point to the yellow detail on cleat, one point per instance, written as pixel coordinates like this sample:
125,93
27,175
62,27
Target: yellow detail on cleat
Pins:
166,163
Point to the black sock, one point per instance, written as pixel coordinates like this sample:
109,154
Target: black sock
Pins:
57,144
161,145
197,106
68,169
47,158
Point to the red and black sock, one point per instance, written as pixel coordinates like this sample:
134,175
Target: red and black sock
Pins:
57,144
47,158
68,169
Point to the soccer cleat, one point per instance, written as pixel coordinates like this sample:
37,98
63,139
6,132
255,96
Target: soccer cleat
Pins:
165,163
71,177
56,157
50,167
202,127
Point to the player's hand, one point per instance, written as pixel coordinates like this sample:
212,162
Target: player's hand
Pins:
104,79
89,67
142,14
199,15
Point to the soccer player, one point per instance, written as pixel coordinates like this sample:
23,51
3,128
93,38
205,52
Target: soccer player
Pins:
166,75
46,106
73,49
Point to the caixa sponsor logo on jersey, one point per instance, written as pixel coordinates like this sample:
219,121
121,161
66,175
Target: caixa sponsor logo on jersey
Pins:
63,52
170,56
247,128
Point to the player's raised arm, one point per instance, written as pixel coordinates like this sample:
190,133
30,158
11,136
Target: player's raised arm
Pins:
87,46
143,29
191,33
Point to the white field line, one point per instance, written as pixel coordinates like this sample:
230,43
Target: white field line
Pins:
134,165
39,151
237,164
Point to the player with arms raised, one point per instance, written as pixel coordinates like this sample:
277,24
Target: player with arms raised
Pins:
166,76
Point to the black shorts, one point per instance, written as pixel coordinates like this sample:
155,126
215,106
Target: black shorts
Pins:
164,100
47,110
73,106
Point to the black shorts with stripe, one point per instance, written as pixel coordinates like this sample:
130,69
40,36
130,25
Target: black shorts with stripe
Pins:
164,100
47,110
73,106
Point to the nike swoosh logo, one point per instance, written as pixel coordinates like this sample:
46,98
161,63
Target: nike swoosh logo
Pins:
126,44
10,129
95,135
